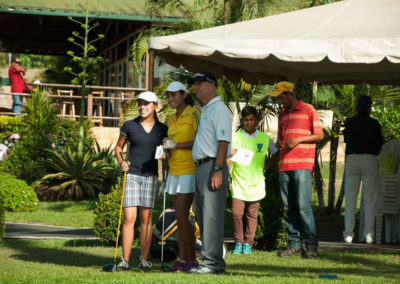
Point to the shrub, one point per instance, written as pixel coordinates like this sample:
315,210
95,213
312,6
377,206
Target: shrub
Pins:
8,126
271,231
17,195
389,117
2,219
39,128
76,176
67,133
106,216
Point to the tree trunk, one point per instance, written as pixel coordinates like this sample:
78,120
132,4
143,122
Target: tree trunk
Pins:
332,163
319,185
339,202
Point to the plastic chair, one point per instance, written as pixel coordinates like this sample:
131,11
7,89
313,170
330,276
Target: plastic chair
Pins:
388,199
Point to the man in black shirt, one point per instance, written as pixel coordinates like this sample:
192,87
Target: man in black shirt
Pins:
363,138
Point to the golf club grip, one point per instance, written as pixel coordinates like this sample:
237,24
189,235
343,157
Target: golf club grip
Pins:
122,202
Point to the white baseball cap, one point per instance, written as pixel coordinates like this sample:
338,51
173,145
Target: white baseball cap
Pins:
176,86
148,97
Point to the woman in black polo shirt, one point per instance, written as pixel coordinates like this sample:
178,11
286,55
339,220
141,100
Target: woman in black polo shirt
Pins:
144,134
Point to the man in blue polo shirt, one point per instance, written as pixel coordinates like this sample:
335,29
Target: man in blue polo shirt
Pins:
210,149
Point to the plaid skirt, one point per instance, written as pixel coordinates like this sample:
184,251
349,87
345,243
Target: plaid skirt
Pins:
140,191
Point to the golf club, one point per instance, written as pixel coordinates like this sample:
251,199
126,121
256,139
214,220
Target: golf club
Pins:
164,266
112,267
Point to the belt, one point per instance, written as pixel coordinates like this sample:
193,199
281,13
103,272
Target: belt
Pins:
204,160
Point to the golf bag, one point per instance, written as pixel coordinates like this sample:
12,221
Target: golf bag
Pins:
170,235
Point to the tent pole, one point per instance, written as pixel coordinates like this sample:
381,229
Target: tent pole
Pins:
149,71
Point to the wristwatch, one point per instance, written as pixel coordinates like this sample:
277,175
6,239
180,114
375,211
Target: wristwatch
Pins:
217,168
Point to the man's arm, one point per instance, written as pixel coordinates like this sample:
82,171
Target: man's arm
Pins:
216,178
293,142
21,69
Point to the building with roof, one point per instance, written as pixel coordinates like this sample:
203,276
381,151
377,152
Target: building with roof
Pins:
42,27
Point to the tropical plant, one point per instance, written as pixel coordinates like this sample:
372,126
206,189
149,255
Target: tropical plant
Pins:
8,126
108,157
87,64
389,118
35,130
74,175
271,230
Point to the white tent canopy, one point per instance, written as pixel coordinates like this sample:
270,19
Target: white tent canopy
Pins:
349,41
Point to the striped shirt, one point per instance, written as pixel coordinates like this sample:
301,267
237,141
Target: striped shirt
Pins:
301,121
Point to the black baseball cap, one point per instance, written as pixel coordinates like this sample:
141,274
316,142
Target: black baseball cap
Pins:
364,101
203,76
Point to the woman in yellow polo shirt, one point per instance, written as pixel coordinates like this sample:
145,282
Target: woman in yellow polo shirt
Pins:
182,127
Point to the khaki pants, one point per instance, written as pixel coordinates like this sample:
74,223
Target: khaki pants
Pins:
250,210
360,167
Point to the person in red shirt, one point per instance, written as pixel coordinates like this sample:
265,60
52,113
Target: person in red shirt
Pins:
298,131
15,74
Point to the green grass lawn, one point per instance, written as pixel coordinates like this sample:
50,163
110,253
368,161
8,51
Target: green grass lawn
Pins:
77,214
59,213
81,261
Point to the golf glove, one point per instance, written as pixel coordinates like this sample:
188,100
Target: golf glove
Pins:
168,144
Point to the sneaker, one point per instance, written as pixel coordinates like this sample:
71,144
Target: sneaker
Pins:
310,253
177,265
122,264
144,265
247,248
205,270
369,239
238,248
188,265
348,239
289,251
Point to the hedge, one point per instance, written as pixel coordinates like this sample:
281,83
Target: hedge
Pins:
16,195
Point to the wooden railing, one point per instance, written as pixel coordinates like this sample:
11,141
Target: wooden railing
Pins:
113,95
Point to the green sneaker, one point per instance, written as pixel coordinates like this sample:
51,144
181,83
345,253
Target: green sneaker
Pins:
238,248
247,249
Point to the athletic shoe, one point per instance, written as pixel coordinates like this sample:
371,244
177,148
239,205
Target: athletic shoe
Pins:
289,251
348,239
188,265
144,265
122,264
177,265
205,270
369,239
310,253
238,248
247,248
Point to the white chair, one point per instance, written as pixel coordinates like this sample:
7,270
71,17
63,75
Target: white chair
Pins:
388,209
388,199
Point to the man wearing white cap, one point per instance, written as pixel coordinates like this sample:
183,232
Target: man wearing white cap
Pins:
144,134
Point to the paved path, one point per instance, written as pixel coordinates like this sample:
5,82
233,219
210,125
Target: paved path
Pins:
40,231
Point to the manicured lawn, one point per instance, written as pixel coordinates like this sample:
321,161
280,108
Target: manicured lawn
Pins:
60,213
77,214
81,261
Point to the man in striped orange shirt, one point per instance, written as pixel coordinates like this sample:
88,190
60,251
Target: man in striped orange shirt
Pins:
299,130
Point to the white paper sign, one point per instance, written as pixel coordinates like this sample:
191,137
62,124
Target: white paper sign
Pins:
159,152
243,156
